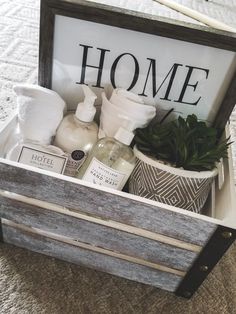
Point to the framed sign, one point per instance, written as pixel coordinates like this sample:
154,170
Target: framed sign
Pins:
170,64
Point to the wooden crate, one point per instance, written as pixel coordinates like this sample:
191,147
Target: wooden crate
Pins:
111,231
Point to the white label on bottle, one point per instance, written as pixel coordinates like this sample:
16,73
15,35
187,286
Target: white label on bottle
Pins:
74,162
41,159
98,173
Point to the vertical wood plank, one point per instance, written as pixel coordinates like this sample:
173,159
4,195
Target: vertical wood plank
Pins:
46,36
1,235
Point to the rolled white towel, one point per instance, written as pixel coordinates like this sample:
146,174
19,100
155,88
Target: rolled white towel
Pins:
132,104
40,111
123,105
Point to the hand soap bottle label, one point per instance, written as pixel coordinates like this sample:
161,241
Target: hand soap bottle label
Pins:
98,173
74,162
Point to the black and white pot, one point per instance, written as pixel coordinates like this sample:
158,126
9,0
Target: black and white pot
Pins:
173,186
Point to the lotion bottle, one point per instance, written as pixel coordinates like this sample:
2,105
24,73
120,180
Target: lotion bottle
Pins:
111,160
77,133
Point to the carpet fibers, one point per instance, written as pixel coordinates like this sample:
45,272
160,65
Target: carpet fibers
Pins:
32,283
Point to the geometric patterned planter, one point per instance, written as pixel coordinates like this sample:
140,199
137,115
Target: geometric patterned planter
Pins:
173,186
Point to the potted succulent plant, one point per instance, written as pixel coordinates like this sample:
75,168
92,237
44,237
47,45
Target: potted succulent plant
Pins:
176,162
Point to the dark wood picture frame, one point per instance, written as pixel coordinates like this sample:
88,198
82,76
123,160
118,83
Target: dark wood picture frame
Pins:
136,21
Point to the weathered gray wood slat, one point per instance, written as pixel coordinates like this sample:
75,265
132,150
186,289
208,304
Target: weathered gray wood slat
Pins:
95,234
101,262
5,131
104,204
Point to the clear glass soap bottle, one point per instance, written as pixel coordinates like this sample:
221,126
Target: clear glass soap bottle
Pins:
110,162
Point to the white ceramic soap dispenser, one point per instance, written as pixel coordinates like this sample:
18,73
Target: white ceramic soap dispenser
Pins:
77,132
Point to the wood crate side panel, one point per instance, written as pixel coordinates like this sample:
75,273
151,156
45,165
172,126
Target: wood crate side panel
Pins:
104,204
95,234
6,129
90,259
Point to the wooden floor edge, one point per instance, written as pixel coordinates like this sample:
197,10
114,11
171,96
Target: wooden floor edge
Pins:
86,246
100,221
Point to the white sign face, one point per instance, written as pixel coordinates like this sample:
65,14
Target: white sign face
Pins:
167,73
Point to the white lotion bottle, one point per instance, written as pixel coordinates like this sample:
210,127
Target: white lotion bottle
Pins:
111,160
77,133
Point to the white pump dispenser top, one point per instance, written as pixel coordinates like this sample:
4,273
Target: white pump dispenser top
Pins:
85,110
125,133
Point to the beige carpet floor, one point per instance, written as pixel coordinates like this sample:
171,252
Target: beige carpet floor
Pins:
32,283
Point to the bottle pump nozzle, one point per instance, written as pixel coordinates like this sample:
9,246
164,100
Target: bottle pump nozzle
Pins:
85,110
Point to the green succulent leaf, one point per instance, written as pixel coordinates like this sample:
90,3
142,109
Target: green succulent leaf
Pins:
186,143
